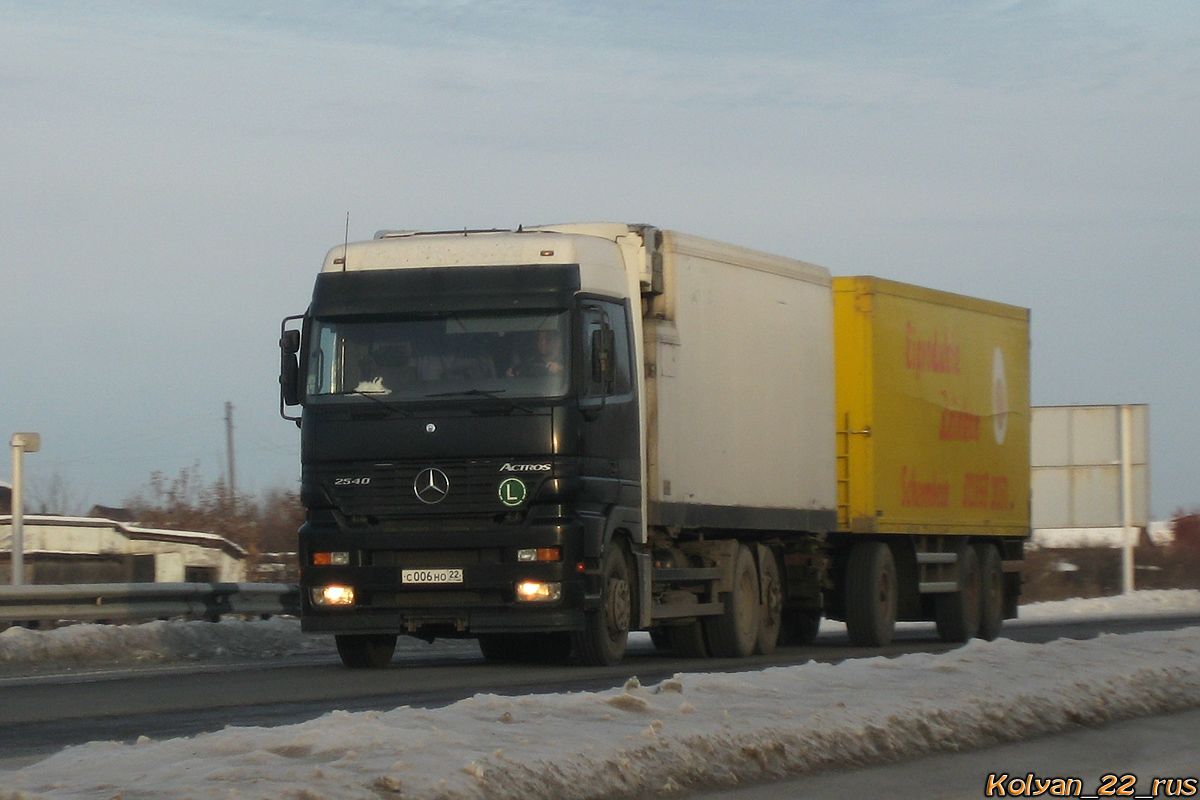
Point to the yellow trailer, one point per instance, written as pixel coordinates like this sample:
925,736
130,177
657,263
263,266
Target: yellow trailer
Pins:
932,405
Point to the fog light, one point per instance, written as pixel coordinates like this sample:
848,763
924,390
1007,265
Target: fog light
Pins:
330,559
536,591
540,554
333,596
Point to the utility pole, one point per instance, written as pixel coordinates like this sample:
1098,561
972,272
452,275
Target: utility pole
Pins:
229,452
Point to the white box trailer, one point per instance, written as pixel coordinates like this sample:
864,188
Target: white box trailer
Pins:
737,357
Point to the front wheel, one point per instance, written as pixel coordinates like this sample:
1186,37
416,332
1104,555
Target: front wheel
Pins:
606,630
366,651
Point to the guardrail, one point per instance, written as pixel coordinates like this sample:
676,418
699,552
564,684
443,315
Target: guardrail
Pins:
112,602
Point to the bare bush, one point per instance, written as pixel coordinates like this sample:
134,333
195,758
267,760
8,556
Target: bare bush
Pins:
1061,573
265,526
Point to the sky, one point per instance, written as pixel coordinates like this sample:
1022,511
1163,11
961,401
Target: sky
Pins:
691,731
172,174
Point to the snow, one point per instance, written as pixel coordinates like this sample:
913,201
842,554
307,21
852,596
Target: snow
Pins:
696,729
159,641
155,642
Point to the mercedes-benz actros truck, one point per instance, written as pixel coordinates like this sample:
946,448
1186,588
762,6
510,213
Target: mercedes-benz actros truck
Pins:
547,438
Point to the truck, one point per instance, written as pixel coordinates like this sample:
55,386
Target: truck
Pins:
546,438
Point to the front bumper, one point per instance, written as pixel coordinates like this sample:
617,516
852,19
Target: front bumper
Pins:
485,601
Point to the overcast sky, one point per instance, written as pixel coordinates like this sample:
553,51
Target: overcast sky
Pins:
172,174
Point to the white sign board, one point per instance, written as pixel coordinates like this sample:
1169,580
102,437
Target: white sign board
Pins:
1076,458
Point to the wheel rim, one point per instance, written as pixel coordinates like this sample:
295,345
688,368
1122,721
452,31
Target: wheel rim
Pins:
773,608
616,610
747,608
887,592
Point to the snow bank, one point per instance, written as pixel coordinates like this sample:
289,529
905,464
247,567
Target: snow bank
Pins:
1134,604
693,730
160,641
193,641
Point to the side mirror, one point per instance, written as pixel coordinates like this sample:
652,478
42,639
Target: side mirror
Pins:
289,368
289,342
603,345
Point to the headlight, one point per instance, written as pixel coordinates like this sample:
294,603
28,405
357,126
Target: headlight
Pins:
332,596
536,591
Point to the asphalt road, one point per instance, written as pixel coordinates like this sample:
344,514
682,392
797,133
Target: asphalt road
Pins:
41,713
1165,747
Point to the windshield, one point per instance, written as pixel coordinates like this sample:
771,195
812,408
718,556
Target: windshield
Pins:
510,355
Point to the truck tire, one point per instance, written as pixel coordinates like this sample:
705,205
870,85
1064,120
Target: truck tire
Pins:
366,651
871,595
606,630
734,632
770,609
991,595
957,613
800,626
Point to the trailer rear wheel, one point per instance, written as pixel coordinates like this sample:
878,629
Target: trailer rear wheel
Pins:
871,595
991,600
602,641
770,611
957,613
734,632
366,651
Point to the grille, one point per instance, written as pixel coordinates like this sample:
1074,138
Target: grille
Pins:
473,489
431,559
447,599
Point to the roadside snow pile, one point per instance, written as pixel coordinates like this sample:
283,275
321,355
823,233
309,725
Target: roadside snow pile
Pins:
197,641
160,641
693,730
1134,604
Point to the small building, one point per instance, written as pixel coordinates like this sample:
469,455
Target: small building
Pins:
91,550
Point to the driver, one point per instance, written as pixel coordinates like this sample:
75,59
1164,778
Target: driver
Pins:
546,358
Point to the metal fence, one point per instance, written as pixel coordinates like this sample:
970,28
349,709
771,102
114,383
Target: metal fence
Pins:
118,602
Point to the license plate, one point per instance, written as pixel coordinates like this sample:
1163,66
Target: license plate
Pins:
431,576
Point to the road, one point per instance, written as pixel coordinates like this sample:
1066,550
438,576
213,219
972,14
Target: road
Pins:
1164,747
41,713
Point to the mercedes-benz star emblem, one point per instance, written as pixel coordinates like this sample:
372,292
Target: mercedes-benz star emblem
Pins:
431,486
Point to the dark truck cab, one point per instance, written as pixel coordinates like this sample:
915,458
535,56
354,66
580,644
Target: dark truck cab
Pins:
469,441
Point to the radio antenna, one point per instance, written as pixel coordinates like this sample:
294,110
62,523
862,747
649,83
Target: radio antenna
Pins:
346,242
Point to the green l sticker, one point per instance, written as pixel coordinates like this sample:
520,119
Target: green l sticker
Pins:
512,492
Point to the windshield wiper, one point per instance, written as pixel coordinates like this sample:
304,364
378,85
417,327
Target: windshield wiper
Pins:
401,410
491,394
472,393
